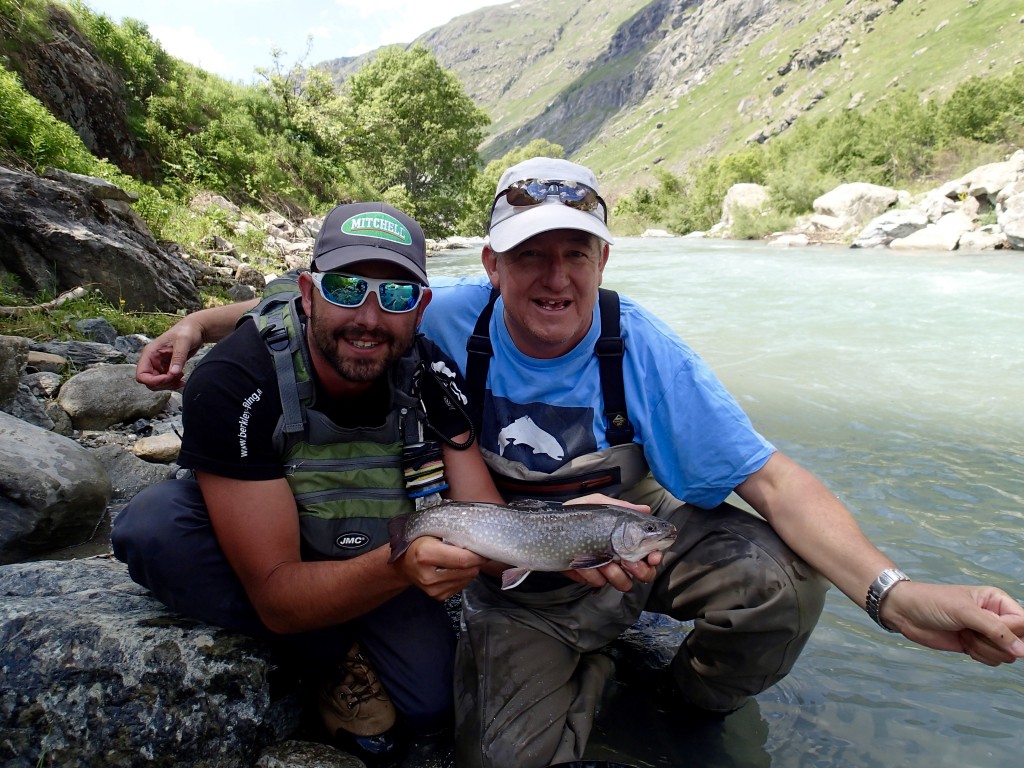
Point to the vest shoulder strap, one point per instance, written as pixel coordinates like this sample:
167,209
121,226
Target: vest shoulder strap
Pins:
279,320
478,361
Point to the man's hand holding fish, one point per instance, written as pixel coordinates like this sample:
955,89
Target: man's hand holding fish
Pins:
440,570
619,574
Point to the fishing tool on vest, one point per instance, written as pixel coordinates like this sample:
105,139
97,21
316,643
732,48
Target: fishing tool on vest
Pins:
424,473
422,463
422,458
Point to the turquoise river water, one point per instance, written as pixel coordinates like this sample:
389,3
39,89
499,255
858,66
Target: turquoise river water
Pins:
897,379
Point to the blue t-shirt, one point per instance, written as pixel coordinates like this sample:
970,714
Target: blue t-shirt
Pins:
543,413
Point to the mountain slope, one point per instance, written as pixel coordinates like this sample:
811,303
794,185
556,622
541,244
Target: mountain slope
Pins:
626,85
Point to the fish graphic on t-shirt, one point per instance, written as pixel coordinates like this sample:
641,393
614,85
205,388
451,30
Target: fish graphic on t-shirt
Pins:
524,431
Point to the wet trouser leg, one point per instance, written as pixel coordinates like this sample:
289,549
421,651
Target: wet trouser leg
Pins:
754,604
526,688
520,699
165,537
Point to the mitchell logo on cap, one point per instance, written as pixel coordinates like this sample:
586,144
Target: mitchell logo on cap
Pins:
377,225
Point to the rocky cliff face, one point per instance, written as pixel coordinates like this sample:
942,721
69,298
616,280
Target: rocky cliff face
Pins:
67,76
627,84
603,58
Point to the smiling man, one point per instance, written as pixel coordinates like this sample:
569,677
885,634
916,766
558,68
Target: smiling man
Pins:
307,429
581,389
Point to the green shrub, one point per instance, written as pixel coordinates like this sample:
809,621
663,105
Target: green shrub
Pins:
129,48
29,131
749,224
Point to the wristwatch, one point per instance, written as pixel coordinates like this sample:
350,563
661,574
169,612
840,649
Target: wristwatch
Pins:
879,588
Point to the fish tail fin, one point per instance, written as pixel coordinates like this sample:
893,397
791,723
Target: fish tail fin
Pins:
396,532
513,577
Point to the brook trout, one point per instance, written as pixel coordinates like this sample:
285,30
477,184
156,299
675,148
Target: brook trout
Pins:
534,536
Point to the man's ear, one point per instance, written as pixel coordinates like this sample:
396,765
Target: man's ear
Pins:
306,288
490,261
605,250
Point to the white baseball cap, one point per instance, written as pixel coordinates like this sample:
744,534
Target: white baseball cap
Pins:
547,208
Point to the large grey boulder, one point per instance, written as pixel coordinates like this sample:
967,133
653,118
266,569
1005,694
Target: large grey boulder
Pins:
856,203
53,492
76,232
106,395
890,226
93,671
943,235
987,181
1011,214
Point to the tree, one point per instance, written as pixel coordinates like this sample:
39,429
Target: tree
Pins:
415,132
477,211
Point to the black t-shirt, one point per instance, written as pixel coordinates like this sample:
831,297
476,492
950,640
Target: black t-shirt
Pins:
232,405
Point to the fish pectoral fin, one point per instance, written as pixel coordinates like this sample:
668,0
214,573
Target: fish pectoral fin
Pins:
589,561
513,577
396,533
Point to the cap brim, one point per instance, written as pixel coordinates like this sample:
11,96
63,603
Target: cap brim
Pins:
510,232
348,255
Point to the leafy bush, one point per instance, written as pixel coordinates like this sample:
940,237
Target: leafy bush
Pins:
476,213
989,110
748,224
29,131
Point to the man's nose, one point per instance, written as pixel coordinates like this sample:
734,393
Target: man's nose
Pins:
557,270
371,307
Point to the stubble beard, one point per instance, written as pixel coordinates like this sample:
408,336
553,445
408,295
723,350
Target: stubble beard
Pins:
351,369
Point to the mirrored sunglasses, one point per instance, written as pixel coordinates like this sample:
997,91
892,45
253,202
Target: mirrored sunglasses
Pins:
571,193
350,291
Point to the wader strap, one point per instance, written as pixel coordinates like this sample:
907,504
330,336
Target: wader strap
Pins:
478,361
609,350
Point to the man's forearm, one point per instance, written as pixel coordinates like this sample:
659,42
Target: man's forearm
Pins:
301,596
815,525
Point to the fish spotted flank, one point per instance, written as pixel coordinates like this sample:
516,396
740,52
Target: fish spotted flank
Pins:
524,431
534,536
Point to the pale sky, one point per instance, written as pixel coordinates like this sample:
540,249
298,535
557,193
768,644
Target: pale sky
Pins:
232,37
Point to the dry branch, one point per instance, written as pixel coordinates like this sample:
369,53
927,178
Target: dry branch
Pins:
74,293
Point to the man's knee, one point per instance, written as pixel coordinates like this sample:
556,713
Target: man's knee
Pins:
753,601
144,533
728,558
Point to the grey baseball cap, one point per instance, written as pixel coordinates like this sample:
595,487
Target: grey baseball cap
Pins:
357,232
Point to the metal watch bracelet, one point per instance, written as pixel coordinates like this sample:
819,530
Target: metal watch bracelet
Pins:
879,588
